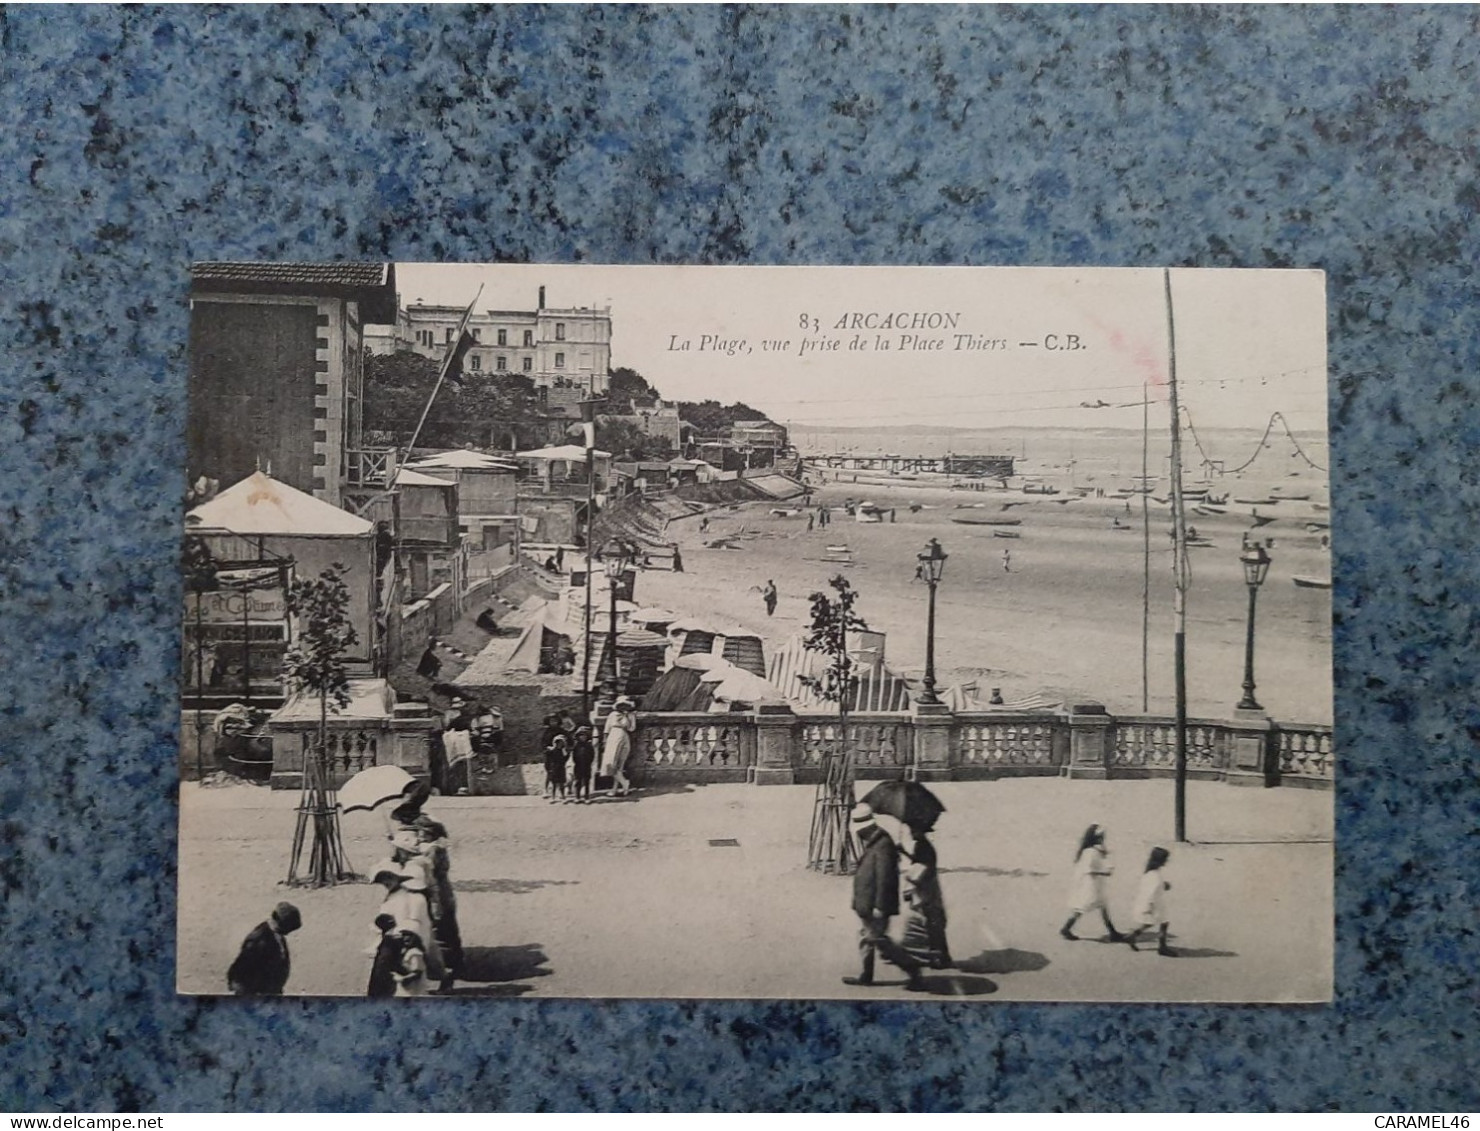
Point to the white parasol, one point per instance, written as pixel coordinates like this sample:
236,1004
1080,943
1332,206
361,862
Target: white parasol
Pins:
373,787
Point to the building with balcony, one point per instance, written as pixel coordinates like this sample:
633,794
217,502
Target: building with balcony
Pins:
556,347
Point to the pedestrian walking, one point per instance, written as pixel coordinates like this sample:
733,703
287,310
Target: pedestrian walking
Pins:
432,845
768,594
876,901
406,902
387,958
555,755
925,924
583,762
1006,561
618,748
677,559
810,520
1092,869
262,965
1151,903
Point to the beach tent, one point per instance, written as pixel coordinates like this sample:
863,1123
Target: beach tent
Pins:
263,517
877,690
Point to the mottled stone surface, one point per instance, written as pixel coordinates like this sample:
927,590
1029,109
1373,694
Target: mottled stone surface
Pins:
141,139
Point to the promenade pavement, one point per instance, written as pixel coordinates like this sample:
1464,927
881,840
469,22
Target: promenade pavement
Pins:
646,897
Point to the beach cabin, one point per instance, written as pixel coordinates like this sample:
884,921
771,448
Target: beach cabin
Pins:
561,470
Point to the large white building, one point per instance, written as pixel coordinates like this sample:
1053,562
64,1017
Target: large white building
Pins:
558,347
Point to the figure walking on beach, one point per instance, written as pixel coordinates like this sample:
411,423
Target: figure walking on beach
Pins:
1151,903
876,901
768,594
1006,561
1092,868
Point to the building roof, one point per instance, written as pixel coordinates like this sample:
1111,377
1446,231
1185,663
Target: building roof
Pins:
563,451
408,478
260,504
462,458
373,285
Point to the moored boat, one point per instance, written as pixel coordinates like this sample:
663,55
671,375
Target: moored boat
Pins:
1311,582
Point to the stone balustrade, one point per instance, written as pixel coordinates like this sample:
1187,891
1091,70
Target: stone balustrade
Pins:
354,744
775,745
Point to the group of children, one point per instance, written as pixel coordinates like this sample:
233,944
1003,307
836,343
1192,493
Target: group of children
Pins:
570,765
1092,869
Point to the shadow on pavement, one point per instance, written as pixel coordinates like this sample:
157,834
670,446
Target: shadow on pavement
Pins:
982,870
1009,961
1198,952
641,789
500,964
508,887
495,990
957,985
1272,840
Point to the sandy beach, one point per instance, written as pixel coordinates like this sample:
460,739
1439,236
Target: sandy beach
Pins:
1065,619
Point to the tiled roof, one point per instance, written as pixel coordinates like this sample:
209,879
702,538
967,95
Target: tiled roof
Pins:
293,274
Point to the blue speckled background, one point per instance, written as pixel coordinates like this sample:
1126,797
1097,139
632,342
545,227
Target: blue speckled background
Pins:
142,139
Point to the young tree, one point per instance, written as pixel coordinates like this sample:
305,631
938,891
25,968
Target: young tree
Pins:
314,665
830,846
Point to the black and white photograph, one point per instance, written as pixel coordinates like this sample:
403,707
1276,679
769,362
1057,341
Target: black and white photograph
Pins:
861,633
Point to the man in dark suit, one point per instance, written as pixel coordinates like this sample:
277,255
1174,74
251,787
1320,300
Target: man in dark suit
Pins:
876,901
261,969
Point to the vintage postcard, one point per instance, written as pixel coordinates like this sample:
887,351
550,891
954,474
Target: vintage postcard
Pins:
690,632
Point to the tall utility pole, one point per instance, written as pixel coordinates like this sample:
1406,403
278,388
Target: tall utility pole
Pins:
1179,569
1145,552
588,419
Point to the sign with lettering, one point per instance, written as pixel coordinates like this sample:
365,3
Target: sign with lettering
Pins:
235,605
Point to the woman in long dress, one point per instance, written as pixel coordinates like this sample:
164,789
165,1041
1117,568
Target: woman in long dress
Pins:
925,924
620,725
1092,868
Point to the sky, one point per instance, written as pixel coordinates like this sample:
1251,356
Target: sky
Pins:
969,347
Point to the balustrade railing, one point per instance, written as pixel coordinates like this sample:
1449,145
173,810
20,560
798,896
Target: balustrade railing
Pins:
1306,752
703,742
1143,743
995,743
370,467
348,752
881,744
712,746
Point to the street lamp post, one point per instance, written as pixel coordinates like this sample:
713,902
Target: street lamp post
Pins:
1255,561
932,566
614,556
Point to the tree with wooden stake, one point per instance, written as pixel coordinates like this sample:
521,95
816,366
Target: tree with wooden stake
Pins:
314,665
830,847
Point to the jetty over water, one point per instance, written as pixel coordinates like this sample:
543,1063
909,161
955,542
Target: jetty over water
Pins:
983,466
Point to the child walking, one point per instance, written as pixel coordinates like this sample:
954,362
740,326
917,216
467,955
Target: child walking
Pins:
555,755
1092,868
411,975
387,958
1151,903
